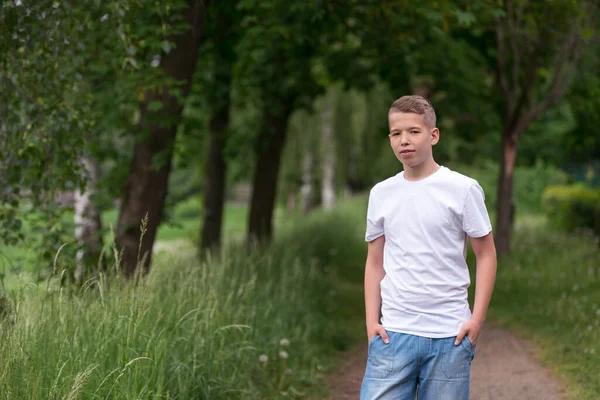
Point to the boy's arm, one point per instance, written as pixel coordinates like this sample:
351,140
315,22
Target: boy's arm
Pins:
485,252
374,273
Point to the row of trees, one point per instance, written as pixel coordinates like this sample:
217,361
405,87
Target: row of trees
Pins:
93,87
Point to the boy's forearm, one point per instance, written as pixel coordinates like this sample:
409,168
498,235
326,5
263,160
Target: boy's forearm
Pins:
373,276
485,278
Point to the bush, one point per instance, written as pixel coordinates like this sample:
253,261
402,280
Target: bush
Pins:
574,206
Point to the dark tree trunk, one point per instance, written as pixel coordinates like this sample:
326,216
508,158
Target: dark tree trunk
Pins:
146,189
216,172
268,150
225,38
505,207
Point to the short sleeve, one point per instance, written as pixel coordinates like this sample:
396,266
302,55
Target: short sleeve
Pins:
374,220
476,221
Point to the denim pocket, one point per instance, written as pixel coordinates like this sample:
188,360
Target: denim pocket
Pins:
456,360
473,348
373,339
380,362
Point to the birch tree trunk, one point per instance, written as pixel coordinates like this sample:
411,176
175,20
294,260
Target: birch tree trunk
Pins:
87,223
306,192
328,149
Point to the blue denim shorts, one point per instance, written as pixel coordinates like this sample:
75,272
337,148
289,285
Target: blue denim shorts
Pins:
412,367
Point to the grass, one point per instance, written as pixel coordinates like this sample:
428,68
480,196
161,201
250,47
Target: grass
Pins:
184,221
548,290
200,330
245,324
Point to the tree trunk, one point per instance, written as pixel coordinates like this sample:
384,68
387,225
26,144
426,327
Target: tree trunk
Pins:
268,150
328,153
216,172
146,189
225,38
291,201
306,195
505,207
87,223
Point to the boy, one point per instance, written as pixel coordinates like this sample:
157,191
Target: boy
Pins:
416,274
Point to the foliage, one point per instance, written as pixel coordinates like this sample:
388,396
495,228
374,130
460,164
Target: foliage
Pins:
582,143
72,75
574,206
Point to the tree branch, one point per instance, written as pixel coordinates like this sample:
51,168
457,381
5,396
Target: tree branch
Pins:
525,99
501,62
514,29
570,50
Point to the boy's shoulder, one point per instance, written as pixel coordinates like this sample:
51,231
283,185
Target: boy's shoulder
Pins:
385,184
459,179
447,180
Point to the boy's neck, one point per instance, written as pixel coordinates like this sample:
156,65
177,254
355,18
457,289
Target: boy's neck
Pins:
421,171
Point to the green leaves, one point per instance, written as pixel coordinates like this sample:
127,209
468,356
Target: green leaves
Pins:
155,105
465,18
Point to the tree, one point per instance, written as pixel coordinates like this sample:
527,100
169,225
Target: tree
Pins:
278,53
328,147
88,225
221,37
35,109
538,47
582,142
44,57
144,195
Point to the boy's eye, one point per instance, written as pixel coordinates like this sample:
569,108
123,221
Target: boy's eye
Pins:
414,131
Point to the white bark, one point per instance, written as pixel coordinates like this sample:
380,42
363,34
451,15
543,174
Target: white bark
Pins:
87,221
306,195
291,202
328,151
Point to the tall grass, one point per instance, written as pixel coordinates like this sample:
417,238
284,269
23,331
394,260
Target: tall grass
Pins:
240,325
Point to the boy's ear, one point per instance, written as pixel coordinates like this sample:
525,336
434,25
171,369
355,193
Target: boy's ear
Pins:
435,136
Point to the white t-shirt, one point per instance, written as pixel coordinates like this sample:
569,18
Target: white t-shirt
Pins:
425,223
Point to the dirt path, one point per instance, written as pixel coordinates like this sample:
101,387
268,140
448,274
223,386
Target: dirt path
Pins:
505,368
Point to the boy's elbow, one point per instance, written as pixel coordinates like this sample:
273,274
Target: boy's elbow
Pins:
484,246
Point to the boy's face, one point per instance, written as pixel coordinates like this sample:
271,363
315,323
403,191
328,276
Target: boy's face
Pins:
411,139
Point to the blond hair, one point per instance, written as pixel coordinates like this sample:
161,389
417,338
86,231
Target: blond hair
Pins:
417,105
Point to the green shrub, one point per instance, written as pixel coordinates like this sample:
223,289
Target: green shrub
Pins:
574,206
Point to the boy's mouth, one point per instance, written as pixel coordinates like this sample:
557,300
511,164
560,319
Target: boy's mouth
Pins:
406,152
